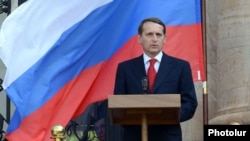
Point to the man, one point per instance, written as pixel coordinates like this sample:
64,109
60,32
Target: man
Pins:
99,124
173,75
99,127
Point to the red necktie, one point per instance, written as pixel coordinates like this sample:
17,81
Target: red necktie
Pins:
151,74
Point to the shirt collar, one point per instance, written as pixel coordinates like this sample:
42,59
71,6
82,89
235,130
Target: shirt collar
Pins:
157,57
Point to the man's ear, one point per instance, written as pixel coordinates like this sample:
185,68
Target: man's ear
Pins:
139,38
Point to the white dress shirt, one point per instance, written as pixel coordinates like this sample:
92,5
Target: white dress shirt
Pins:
157,63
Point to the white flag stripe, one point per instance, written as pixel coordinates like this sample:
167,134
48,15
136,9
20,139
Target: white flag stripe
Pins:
47,20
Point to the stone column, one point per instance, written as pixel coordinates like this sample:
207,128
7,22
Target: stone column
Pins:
233,66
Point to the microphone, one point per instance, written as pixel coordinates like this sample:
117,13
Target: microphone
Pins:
145,84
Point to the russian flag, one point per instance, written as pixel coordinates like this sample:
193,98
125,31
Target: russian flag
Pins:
62,55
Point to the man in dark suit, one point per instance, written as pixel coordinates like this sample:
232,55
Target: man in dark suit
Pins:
173,75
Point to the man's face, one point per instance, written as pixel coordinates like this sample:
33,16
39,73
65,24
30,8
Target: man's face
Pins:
152,38
100,129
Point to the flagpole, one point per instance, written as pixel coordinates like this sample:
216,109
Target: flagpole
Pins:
204,90
8,102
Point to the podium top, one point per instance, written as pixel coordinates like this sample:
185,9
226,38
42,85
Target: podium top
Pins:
144,101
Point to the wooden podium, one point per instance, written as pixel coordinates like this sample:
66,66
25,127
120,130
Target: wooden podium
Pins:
144,110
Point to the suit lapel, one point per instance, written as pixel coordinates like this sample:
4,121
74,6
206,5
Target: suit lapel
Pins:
139,67
163,71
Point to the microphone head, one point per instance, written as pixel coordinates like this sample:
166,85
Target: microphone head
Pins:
145,84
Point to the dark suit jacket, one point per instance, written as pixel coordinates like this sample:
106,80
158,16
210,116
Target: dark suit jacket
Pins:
174,76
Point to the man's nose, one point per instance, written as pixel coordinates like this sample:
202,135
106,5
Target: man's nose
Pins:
154,37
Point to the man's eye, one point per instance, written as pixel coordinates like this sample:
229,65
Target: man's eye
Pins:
149,35
159,35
